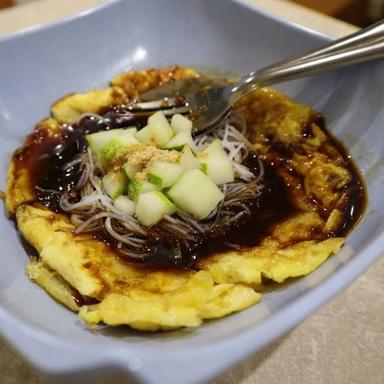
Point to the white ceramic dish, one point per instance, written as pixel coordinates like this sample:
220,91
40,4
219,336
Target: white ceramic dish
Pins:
83,52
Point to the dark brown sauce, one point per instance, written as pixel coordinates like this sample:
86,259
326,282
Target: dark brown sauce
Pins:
47,157
274,207
356,201
51,158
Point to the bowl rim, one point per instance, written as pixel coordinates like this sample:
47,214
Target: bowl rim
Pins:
251,339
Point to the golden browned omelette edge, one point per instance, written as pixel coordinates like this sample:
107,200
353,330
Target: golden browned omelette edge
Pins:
90,278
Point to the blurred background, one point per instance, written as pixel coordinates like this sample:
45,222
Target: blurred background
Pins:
358,12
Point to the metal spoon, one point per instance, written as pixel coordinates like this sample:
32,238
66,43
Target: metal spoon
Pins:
210,101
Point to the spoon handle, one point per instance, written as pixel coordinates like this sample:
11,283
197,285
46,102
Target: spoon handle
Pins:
365,45
374,30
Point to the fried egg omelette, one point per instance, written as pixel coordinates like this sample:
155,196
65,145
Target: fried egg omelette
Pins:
90,277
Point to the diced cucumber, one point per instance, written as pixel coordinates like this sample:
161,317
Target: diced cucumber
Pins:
125,204
158,135
159,120
188,160
158,131
151,208
216,164
195,193
110,150
114,184
204,167
143,135
136,188
179,123
98,140
125,138
130,169
180,140
164,174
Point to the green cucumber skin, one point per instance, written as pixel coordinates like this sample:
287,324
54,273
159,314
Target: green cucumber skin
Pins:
204,168
179,141
124,138
133,190
156,180
98,140
110,150
177,148
136,188
164,174
165,200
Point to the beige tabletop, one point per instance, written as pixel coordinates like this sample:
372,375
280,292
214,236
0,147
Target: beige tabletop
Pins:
341,343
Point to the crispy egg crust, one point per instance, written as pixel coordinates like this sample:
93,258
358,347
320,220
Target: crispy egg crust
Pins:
90,278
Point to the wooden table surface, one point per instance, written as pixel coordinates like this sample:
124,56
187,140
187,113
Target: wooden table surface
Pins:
342,343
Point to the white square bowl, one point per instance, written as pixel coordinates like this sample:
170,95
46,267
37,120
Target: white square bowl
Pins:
83,52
